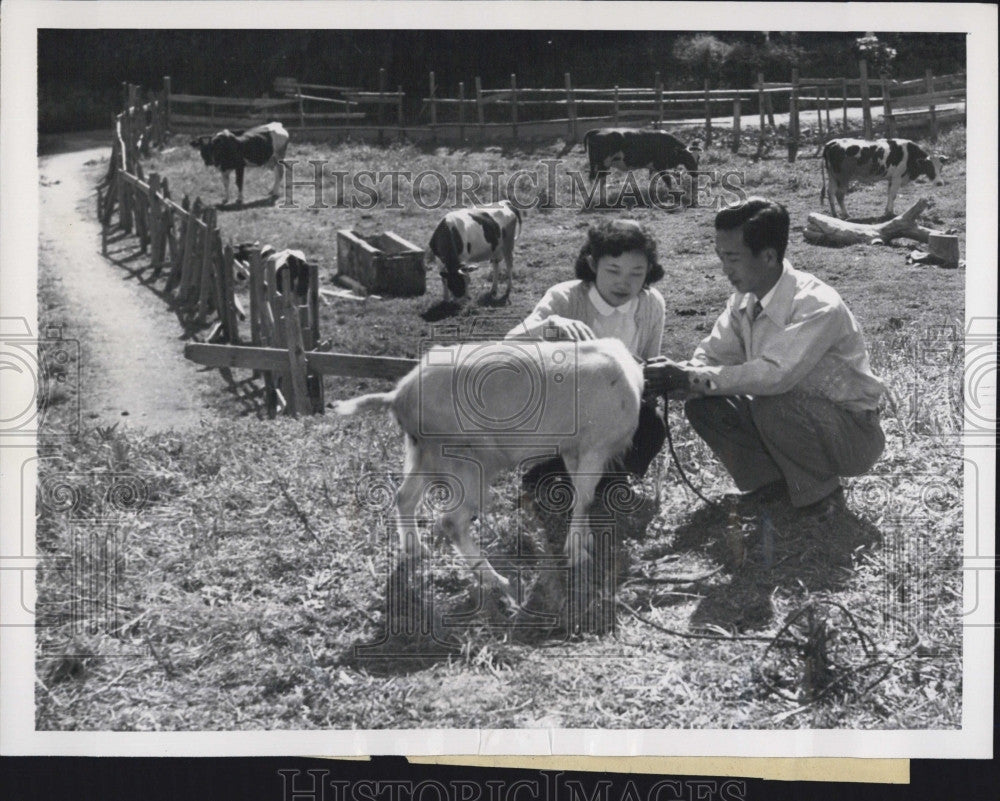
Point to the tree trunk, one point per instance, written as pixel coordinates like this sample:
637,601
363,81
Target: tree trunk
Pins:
824,230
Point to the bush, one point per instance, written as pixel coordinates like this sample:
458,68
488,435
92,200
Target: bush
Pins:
74,108
702,55
774,59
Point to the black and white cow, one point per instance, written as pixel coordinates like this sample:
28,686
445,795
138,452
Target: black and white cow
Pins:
469,236
263,146
630,149
898,161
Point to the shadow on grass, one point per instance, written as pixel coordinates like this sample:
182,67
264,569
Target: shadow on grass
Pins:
441,310
263,203
784,549
413,635
492,301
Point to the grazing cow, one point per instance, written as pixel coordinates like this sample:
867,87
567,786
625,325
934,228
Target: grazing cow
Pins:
898,161
468,236
471,410
262,146
629,149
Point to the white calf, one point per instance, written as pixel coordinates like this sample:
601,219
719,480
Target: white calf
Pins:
469,411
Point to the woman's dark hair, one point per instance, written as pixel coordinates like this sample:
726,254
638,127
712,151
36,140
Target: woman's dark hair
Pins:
612,238
765,224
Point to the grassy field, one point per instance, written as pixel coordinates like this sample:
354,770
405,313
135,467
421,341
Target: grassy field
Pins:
254,559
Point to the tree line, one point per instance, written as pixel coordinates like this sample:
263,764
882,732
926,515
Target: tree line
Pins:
80,71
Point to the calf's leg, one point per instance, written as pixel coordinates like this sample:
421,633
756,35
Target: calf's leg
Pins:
838,190
407,497
495,267
466,479
279,174
585,474
508,258
894,185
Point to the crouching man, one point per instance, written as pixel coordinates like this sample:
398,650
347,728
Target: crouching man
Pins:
781,390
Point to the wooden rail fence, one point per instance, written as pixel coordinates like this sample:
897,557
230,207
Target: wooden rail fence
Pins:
519,112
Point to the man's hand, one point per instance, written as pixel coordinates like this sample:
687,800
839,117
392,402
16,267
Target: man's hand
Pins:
557,328
664,377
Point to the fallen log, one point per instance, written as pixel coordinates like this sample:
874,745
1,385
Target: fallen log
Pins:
823,230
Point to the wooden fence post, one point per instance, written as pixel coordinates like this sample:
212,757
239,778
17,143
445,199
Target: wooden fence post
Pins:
177,264
128,206
100,216
793,117
309,324
737,111
479,107
167,242
890,123
931,110
571,132
433,99
217,286
141,197
461,111
272,333
770,110
708,115
258,335
299,403
176,239
400,119
866,104
513,104
228,301
843,92
659,99
819,116
155,224
615,107
761,102
381,96
826,104
166,97
192,212
208,273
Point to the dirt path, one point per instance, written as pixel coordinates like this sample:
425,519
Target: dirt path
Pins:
131,350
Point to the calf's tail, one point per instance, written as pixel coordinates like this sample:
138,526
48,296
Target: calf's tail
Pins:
365,403
822,191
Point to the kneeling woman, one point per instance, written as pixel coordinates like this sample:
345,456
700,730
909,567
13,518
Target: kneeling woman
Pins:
612,296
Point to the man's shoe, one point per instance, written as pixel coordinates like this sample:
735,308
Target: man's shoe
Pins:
825,507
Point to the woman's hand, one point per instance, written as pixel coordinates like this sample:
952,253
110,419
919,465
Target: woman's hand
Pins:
557,327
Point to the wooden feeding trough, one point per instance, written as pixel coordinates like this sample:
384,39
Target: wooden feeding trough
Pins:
385,264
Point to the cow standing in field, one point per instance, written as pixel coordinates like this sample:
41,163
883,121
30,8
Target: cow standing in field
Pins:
469,411
898,161
630,149
263,146
469,236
